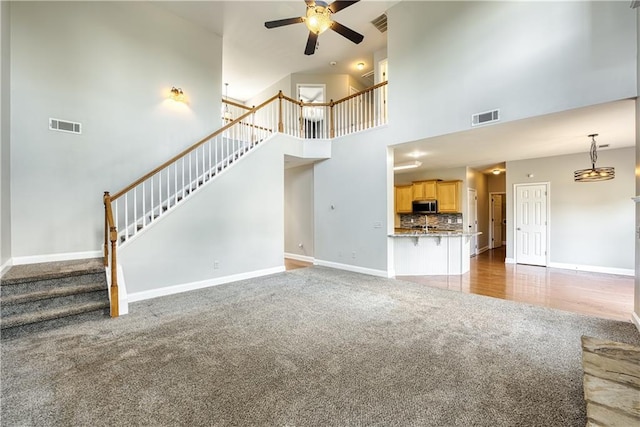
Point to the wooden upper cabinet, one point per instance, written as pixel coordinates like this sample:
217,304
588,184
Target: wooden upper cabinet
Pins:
425,190
404,199
449,196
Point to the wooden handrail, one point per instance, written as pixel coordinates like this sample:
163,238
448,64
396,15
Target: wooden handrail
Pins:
189,150
235,104
369,89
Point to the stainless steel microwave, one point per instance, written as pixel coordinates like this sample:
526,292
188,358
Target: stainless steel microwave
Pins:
425,206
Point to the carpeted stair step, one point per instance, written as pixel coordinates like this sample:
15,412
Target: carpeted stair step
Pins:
41,296
33,301
53,314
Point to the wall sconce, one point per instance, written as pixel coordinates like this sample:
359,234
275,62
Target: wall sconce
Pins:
177,94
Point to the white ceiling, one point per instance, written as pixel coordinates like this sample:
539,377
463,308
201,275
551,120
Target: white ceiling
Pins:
486,147
255,58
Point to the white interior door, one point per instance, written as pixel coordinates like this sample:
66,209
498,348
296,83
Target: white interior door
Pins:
496,220
531,224
472,212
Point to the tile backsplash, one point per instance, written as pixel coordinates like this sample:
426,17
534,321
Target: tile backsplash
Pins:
442,221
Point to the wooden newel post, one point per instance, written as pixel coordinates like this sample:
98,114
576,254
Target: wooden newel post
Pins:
114,273
280,123
332,128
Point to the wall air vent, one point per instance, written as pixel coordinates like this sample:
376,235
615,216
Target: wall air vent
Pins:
484,118
65,126
380,23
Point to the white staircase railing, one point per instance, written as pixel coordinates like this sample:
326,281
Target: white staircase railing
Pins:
132,209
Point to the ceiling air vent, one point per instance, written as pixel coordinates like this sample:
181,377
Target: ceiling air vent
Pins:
380,23
484,118
65,126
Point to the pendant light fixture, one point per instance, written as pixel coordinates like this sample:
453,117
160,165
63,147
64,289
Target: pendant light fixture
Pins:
594,174
226,114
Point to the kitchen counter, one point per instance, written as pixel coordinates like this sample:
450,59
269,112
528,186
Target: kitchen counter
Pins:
420,253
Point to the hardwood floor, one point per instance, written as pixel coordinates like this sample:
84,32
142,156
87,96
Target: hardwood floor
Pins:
595,294
603,295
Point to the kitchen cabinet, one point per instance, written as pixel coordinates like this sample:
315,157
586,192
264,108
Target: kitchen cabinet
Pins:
404,198
449,196
424,190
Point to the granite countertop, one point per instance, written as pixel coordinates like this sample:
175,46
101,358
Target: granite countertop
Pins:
432,233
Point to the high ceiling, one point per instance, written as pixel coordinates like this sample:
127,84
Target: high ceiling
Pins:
255,58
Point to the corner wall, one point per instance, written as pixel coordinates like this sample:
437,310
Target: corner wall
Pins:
109,66
5,133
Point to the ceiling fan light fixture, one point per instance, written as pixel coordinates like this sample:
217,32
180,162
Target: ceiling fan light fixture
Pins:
594,174
318,19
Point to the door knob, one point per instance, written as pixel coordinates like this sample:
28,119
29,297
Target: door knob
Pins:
518,228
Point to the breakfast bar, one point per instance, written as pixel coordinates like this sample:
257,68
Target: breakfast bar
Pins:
431,253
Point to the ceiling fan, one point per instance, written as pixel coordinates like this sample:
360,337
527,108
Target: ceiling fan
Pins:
318,20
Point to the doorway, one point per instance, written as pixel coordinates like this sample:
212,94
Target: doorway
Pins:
497,220
472,209
531,237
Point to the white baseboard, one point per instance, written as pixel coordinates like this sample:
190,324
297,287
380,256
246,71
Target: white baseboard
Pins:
354,268
593,268
484,249
509,261
176,289
6,266
304,258
636,320
69,256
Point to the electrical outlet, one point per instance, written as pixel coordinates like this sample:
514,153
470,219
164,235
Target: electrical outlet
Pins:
459,220
216,265
377,224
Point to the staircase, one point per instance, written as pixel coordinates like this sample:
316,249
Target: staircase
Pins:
47,295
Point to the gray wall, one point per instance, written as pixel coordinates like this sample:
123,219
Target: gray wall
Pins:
351,192
237,220
590,223
108,65
449,60
5,129
298,210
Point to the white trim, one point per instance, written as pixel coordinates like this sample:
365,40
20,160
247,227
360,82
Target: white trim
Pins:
69,256
304,258
514,226
175,289
123,299
492,214
593,268
636,320
354,268
6,266
509,261
483,249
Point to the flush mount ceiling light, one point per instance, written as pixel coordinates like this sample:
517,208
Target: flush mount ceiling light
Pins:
360,65
594,174
407,165
496,171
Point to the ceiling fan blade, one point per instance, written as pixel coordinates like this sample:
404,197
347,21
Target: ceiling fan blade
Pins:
347,32
339,5
310,2
283,22
311,43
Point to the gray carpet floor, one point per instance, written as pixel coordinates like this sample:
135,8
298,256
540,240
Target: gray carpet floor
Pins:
309,347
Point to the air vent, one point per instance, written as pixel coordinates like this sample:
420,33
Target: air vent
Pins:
65,126
484,118
380,23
